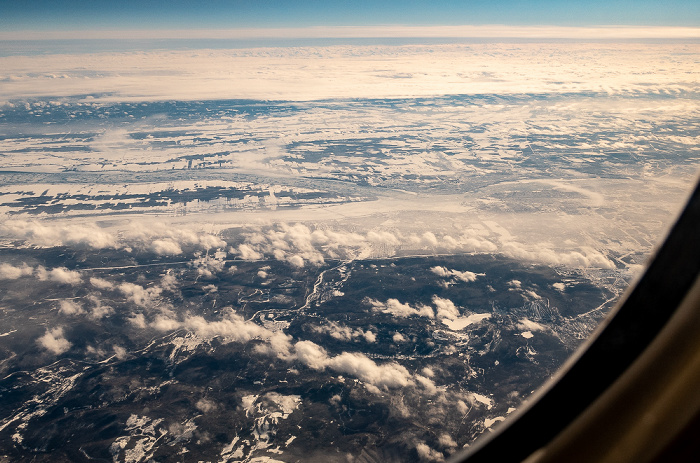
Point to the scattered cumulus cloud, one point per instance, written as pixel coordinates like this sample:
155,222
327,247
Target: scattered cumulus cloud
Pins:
425,453
10,272
398,309
101,283
40,234
344,333
138,294
54,341
70,307
59,275
559,286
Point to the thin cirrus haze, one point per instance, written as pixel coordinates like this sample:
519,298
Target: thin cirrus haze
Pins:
340,239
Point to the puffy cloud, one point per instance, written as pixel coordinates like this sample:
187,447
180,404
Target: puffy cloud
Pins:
119,352
138,294
246,252
208,265
344,333
10,272
430,238
36,232
311,354
205,405
585,258
59,275
447,441
383,237
168,282
163,239
397,309
208,242
100,283
234,328
425,453
359,365
69,307
54,341
296,260
398,337
166,247
99,310
463,276
163,322
427,384
300,245
445,308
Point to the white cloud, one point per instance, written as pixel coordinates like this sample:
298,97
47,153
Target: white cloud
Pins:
119,352
163,239
101,283
10,272
246,252
344,333
138,294
425,453
397,309
300,245
53,234
515,284
59,275
209,265
463,276
54,341
445,308
205,405
166,247
398,337
289,74
383,376
447,441
383,237
585,258
98,310
168,282
162,323
311,354
70,307
559,286
427,384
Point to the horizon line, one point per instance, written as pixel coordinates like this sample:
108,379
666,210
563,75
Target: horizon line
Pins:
386,31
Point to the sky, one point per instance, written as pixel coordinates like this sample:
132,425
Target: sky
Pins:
82,15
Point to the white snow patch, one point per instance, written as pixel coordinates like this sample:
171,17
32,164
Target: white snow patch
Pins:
488,422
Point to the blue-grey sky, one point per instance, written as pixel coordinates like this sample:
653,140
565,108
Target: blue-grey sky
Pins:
40,15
